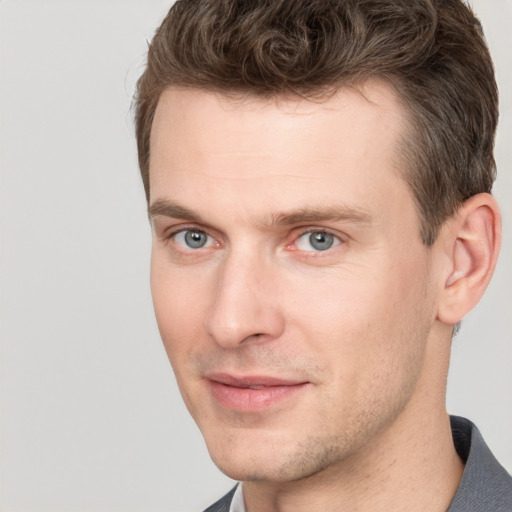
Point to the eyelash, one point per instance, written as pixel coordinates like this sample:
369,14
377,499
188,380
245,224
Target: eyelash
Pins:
292,246
170,234
310,231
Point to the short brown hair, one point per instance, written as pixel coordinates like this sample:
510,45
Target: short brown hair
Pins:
432,51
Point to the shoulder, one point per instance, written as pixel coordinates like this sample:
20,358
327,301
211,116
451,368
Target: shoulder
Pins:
485,484
223,504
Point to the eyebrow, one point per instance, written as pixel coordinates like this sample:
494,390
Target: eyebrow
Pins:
337,213
166,208
322,214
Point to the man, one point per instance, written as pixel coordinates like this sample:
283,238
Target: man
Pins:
318,176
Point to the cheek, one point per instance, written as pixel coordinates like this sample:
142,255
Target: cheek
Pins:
338,303
180,307
364,321
367,336
179,301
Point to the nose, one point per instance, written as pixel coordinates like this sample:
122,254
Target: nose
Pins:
245,305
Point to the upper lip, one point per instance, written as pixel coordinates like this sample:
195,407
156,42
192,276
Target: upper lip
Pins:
246,381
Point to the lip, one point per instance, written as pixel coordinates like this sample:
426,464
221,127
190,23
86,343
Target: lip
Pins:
252,393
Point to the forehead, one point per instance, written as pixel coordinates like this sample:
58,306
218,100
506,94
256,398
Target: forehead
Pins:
282,150
253,122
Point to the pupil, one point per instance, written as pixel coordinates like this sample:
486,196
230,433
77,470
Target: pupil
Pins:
321,241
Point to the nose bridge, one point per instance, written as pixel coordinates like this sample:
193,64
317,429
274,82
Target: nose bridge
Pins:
243,305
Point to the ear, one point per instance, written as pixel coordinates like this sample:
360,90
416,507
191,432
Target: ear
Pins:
472,243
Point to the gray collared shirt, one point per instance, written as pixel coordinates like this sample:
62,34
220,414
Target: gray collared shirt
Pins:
485,485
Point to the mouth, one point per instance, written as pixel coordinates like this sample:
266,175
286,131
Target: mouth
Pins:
252,393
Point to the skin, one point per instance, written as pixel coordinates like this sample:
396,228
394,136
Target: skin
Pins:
358,328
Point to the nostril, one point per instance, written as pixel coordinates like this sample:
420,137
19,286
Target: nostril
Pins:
254,337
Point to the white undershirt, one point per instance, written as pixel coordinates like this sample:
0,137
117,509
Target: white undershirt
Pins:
237,503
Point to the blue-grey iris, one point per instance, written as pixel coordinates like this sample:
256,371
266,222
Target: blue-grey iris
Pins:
195,239
321,241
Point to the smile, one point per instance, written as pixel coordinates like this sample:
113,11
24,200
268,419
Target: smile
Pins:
251,393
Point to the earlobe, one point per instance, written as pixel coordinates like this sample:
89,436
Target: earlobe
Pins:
473,245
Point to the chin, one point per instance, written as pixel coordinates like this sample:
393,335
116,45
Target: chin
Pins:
252,470
244,459
271,463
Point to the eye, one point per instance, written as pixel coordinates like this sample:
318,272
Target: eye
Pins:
317,241
193,239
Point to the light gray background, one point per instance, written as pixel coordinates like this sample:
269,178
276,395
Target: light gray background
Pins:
91,417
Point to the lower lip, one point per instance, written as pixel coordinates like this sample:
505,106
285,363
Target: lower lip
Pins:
252,400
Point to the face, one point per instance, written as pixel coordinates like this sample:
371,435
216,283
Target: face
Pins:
291,288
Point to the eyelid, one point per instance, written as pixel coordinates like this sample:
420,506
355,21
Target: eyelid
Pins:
340,238
172,232
168,231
